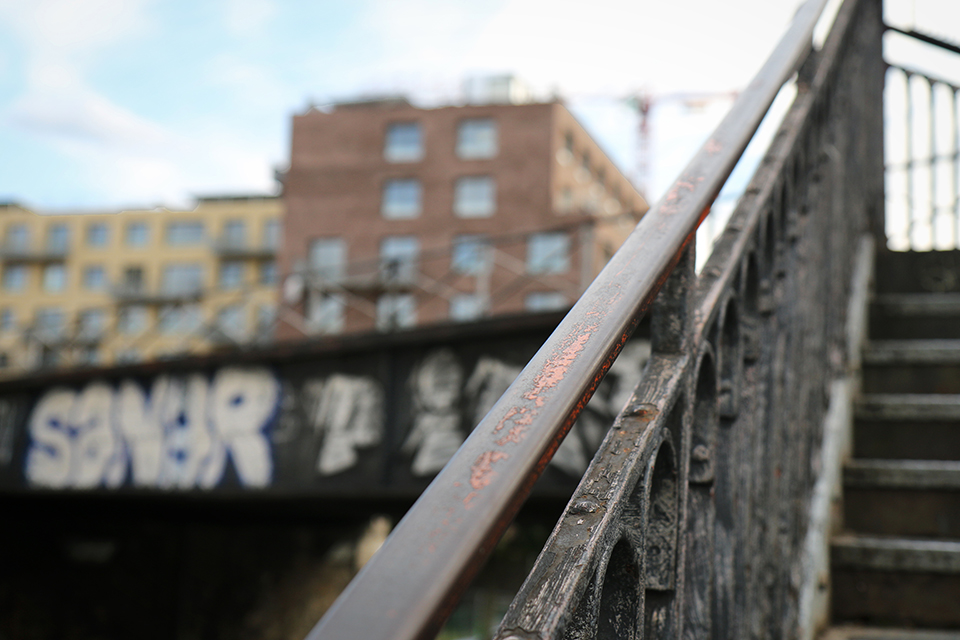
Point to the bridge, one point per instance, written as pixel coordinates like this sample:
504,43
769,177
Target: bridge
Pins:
764,447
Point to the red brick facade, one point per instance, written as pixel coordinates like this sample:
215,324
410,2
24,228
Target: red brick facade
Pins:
335,188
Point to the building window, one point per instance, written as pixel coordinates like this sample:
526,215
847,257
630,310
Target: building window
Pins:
568,142
465,306
471,254
50,322
4,360
477,139
475,197
88,356
585,162
58,239
14,277
98,235
182,234
54,278
403,142
396,311
325,312
94,278
327,258
132,320
266,316
398,258
232,321
271,234
180,319
8,320
138,234
18,237
133,279
268,272
545,301
401,199
548,252
235,233
91,323
182,278
231,274
128,356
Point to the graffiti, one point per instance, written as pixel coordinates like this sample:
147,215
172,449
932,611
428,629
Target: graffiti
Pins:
348,410
436,435
251,427
436,382
181,435
9,420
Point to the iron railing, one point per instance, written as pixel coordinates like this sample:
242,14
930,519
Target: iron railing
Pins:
688,522
923,155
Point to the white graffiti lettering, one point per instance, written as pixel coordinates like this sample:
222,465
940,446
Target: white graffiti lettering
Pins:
348,411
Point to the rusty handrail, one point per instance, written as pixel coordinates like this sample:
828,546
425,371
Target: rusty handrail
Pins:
411,585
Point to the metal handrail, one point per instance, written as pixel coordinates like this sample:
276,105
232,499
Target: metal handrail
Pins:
411,585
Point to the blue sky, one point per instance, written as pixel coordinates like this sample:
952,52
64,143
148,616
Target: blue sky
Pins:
137,103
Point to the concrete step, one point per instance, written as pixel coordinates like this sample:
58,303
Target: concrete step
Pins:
912,366
902,497
907,426
899,581
909,407
921,351
905,316
884,553
902,474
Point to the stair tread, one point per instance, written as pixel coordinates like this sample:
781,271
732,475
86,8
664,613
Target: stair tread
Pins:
902,474
907,406
859,632
908,304
939,351
886,553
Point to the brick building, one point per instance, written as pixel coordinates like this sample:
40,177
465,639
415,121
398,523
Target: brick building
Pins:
397,215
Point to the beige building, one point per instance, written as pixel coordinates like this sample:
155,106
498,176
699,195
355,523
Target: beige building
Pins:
102,288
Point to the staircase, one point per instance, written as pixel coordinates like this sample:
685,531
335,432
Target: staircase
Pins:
896,565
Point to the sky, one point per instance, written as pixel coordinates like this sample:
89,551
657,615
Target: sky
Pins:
109,104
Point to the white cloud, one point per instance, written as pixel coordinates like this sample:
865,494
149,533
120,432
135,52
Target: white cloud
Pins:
85,116
246,17
66,32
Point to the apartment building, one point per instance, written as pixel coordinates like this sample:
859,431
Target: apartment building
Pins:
101,288
397,215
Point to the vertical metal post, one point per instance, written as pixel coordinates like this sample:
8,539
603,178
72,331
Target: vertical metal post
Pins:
955,170
909,161
934,212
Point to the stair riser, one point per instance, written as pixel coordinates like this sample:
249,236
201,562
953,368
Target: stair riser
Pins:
917,378
896,598
917,272
903,327
906,440
927,513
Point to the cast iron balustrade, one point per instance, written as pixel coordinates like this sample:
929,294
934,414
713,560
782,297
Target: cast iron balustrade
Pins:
689,521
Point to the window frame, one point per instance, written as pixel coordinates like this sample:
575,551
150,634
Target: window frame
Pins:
401,151
94,232
393,207
541,258
475,144
464,205
176,233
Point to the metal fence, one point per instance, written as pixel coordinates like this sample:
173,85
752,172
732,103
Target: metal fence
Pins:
923,151
689,521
